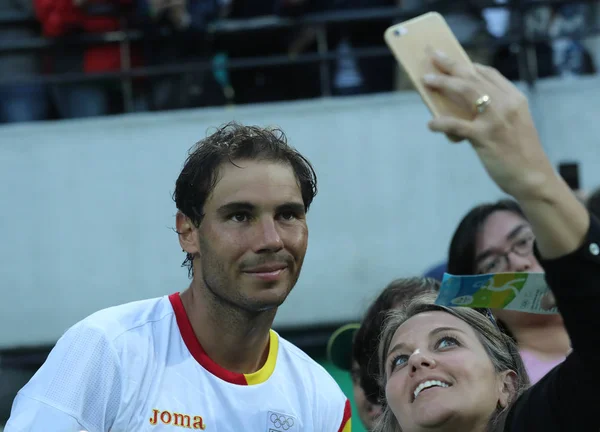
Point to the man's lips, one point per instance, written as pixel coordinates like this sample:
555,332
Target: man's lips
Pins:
267,272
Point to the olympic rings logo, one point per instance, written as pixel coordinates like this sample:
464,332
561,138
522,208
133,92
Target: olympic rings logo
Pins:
281,421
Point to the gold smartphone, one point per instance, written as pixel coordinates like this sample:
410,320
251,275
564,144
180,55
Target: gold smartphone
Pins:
411,43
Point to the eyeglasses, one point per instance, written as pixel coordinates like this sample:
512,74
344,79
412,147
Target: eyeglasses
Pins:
499,262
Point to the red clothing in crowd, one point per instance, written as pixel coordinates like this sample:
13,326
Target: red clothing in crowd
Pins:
59,17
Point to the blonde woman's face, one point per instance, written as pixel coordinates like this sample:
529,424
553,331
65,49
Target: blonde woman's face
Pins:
439,375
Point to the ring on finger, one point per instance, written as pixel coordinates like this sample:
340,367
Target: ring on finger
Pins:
482,103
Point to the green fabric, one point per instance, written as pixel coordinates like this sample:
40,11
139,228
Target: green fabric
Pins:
345,382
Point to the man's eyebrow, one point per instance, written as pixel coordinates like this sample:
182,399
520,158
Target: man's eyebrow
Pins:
234,206
293,206
237,206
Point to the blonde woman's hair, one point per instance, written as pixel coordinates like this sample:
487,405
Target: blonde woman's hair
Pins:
500,348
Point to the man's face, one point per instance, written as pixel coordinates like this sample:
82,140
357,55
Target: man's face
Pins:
252,240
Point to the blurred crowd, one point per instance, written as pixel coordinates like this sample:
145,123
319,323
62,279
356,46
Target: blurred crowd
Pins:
175,32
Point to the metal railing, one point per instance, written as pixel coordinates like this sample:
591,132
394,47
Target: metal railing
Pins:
520,42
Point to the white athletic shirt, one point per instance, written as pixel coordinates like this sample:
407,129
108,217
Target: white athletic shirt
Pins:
138,367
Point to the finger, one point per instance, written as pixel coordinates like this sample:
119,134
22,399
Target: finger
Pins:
454,138
548,301
457,89
492,75
456,129
448,65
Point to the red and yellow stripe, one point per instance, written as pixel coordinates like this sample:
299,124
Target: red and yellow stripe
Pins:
346,425
190,340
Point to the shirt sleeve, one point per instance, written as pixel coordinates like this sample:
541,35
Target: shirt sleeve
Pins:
77,388
346,424
31,415
334,413
567,397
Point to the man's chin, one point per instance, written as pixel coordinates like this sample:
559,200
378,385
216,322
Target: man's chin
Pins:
264,299
271,300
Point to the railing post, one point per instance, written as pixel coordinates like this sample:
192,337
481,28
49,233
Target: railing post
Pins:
126,83
527,54
324,69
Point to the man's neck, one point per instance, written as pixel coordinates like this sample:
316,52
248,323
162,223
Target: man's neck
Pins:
234,339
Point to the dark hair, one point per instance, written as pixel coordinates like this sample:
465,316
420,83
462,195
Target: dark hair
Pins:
461,255
366,339
232,142
593,203
500,348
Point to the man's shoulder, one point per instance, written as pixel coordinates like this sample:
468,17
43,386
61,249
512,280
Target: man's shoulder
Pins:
310,371
331,407
134,317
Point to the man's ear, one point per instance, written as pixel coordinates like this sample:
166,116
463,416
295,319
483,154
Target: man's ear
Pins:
188,238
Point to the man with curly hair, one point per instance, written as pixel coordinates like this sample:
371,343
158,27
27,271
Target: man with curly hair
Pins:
205,358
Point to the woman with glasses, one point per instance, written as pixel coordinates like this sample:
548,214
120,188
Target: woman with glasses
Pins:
497,238
452,369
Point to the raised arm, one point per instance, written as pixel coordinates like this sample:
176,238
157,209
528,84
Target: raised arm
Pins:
503,134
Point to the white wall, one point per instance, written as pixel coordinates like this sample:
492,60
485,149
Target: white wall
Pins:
87,215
